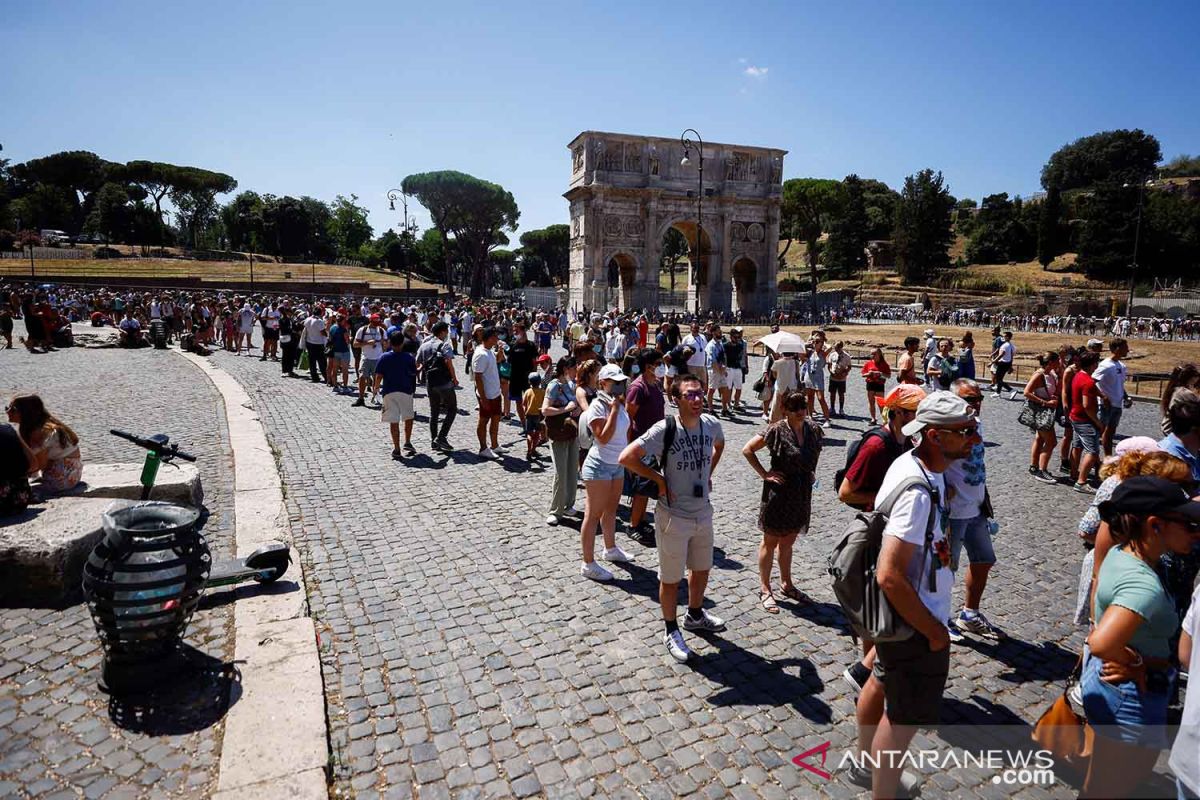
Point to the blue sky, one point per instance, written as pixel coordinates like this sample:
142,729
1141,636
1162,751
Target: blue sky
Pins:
349,97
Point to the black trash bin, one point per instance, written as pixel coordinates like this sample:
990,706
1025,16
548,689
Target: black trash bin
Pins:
142,582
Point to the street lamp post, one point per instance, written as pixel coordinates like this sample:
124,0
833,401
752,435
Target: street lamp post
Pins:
410,225
1137,235
688,144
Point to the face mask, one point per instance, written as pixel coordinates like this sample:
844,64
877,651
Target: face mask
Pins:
635,369
618,389
660,371
596,347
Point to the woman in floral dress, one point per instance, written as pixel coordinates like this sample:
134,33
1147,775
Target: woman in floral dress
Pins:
55,447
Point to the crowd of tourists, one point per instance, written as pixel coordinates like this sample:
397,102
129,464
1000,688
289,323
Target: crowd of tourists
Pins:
633,409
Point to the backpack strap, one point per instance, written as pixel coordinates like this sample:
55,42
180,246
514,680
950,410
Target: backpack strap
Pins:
669,437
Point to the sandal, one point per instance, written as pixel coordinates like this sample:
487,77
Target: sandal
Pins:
768,602
792,593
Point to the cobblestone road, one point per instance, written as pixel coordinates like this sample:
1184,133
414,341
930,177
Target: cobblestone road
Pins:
463,655
59,734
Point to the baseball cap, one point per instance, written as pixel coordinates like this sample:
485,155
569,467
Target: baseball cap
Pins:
929,331
1147,494
543,359
1095,343
611,372
905,395
937,410
375,318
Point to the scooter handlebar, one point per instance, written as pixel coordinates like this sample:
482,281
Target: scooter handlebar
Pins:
171,451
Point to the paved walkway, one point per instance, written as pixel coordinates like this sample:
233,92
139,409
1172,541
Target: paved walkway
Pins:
60,736
463,655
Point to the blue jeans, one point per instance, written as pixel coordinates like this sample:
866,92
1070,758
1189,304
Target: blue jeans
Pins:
596,470
1121,711
974,534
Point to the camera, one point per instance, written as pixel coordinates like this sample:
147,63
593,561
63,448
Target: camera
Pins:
698,490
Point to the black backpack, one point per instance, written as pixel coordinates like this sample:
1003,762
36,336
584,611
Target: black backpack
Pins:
435,370
893,447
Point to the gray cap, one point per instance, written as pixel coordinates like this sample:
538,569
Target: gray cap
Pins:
937,410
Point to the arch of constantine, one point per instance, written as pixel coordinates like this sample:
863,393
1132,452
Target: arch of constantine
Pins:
627,191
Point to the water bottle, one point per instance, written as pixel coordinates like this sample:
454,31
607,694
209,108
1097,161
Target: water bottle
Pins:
993,527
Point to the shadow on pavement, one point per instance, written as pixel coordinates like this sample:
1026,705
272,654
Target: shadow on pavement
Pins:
751,680
193,699
1047,661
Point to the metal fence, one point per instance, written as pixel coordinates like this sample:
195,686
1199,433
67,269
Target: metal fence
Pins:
46,253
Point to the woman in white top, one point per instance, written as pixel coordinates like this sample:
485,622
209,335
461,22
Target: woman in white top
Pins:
608,422
786,370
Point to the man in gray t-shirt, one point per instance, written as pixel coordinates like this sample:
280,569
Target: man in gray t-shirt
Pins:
683,516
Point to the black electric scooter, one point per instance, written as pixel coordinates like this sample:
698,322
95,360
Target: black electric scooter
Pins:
265,565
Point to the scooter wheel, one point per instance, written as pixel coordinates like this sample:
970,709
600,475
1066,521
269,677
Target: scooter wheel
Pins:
274,558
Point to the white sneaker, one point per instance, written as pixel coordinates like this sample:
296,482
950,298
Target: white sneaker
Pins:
595,572
551,519
706,622
617,555
676,646
573,512
488,453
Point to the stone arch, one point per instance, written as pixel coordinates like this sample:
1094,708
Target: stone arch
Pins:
701,276
745,283
622,270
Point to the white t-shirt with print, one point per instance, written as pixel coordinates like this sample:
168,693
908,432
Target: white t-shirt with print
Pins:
907,520
1110,379
371,340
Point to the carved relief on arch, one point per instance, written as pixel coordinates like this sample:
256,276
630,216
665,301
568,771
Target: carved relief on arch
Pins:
577,159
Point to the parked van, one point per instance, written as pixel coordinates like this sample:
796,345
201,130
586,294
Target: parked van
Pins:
50,236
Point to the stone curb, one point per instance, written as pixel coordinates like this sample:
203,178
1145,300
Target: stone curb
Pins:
276,738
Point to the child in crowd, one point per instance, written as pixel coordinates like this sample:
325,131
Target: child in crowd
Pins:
532,400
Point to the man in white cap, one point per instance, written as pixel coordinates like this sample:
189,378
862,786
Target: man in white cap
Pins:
913,572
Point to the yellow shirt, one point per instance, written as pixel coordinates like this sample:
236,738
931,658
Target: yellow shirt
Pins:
532,400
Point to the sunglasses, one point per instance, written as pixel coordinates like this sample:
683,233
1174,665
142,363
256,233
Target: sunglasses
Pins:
976,399
1192,527
693,395
967,432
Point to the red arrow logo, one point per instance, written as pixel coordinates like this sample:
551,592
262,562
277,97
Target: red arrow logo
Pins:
800,760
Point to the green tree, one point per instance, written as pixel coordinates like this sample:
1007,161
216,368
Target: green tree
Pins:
845,252
922,233
78,173
546,255
881,201
157,179
1181,166
674,247
1120,156
807,206
243,219
194,196
110,215
349,227
1109,212
1170,245
503,265
474,211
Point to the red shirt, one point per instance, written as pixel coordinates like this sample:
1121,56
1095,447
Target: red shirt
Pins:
1082,387
643,329
870,466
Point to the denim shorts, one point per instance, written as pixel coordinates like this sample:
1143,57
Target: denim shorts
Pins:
1120,711
1110,416
974,534
342,355
596,470
1085,437
366,369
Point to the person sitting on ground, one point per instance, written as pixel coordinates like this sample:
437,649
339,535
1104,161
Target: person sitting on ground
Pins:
53,445
130,330
15,459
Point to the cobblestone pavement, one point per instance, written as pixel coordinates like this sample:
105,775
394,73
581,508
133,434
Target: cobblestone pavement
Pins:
60,736
463,655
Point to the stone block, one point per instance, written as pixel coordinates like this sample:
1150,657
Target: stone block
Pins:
178,482
43,550
85,335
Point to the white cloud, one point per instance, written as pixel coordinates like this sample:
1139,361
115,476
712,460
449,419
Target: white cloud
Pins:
753,71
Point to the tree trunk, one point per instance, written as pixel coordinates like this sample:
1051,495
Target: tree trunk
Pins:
812,264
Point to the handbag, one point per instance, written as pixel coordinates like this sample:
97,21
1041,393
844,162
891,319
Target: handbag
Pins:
304,359
1040,418
1063,731
561,428
758,385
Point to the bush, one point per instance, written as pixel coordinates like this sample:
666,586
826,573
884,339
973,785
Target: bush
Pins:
873,279
107,252
8,240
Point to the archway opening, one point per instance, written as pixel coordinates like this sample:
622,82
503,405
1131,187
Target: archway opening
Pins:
622,275
682,269
745,280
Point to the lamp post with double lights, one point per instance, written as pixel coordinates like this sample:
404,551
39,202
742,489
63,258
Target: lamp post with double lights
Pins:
688,144
409,225
1137,235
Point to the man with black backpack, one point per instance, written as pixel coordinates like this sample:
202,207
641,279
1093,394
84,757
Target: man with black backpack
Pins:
914,581
436,360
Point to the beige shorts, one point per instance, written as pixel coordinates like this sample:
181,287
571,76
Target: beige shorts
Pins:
682,542
718,379
397,407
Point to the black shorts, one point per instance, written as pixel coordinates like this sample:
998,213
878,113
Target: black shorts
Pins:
270,334
876,388
837,386
913,678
